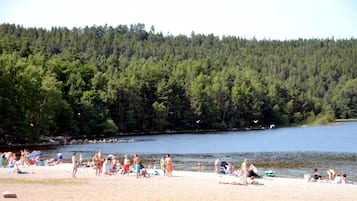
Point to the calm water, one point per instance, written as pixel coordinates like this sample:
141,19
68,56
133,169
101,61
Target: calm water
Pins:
289,152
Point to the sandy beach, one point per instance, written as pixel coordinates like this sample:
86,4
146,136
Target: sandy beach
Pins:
43,183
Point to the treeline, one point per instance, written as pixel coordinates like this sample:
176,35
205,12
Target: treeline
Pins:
100,80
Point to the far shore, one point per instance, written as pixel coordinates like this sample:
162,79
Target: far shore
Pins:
42,183
110,138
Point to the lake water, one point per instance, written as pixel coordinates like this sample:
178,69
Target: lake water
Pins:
289,152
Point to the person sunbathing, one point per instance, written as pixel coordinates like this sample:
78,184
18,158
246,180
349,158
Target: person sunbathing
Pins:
18,170
252,181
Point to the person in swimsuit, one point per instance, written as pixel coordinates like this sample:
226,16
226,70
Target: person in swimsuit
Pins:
162,165
137,165
252,171
126,165
317,175
75,165
331,174
216,165
168,162
96,162
244,171
101,161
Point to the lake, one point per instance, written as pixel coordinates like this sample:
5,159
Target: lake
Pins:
289,152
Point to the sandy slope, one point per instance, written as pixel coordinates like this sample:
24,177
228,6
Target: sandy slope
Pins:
55,183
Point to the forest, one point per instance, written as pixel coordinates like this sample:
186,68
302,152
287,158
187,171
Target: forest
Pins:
103,80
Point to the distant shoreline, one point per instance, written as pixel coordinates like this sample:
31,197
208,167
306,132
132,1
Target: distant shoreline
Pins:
67,140
346,120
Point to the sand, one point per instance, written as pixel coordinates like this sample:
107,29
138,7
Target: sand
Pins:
54,183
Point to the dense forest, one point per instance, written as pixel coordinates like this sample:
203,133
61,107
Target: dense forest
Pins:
100,80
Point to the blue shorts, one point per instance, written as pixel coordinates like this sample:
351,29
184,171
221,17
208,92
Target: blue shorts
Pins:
137,168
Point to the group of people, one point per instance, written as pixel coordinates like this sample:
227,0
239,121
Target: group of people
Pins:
244,172
103,165
332,175
166,165
12,160
251,173
110,165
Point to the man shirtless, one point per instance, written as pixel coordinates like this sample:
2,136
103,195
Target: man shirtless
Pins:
137,165
168,163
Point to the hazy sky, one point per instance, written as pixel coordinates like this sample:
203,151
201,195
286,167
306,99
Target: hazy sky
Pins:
269,19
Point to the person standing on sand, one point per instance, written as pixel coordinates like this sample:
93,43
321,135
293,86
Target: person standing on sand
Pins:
74,164
137,165
168,163
96,162
244,171
162,165
216,165
101,161
126,163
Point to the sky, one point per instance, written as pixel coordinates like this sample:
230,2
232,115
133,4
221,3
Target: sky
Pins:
260,19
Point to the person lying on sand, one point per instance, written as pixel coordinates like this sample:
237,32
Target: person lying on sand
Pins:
251,182
18,170
239,183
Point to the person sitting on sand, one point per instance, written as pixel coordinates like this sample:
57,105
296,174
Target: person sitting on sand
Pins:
252,171
316,176
337,179
143,171
2,160
341,179
345,180
229,169
106,167
50,162
59,158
